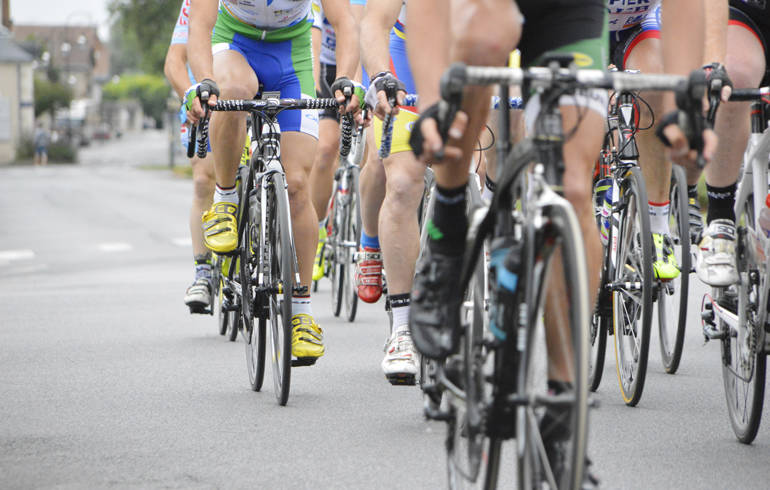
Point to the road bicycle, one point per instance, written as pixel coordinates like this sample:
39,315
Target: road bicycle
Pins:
495,383
737,315
344,223
267,275
629,287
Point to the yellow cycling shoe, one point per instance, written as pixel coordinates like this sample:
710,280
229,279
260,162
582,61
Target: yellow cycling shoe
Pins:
306,337
665,266
318,265
220,227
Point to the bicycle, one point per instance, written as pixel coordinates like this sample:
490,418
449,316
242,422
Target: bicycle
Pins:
497,393
268,274
628,285
737,315
344,227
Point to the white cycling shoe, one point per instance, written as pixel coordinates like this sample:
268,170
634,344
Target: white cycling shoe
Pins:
715,254
401,362
198,296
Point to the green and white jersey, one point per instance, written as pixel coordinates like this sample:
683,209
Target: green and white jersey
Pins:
267,15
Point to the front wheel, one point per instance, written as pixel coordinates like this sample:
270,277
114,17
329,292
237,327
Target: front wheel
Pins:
672,295
632,284
281,284
351,239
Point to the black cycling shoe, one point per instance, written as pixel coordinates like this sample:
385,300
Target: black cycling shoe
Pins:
555,431
434,314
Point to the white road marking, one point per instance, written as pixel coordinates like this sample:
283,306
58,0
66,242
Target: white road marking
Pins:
182,242
9,255
114,247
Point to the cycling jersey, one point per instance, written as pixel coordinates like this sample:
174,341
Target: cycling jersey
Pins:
625,14
328,36
274,38
622,42
182,32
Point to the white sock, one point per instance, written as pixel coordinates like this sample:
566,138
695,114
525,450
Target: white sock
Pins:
301,304
659,217
226,195
400,319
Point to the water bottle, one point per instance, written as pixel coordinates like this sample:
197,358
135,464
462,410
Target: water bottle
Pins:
603,193
764,217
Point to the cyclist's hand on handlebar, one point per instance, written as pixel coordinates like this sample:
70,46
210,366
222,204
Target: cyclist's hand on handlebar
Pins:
349,95
680,151
427,142
384,89
205,92
718,79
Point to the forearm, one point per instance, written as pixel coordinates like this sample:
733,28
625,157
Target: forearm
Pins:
203,15
375,46
717,15
430,46
347,46
175,68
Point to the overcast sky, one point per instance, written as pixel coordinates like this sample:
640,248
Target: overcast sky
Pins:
61,12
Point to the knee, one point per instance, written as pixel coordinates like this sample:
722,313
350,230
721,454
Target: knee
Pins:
327,154
403,188
493,44
577,188
298,188
203,180
233,88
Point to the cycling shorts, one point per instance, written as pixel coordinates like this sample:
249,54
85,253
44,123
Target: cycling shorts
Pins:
326,79
576,27
623,42
757,20
284,66
399,66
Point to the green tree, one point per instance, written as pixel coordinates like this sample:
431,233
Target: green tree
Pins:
151,91
50,96
144,27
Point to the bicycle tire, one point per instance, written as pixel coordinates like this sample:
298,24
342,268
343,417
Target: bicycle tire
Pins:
351,241
222,316
281,273
632,276
598,345
254,336
532,469
744,374
672,295
337,266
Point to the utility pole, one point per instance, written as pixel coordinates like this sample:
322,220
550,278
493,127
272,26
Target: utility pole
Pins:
6,14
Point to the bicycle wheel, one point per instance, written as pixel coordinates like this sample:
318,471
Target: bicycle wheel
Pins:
598,342
337,264
632,284
351,239
672,295
743,357
281,285
568,411
222,316
245,305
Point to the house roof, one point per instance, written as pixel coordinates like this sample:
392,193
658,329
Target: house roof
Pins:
10,52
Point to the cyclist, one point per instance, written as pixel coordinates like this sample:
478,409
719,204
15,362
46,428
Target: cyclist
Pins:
384,55
745,54
577,27
198,295
325,66
268,44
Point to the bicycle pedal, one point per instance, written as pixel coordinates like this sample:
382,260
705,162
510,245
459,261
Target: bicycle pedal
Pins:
198,309
303,361
402,379
433,413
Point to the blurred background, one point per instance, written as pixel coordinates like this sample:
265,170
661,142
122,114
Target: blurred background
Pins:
85,72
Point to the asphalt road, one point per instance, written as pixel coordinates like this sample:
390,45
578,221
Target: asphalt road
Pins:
107,381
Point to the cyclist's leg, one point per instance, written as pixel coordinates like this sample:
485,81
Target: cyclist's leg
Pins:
372,189
198,294
746,64
237,80
322,175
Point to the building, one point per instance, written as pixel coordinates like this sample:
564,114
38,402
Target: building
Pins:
17,98
75,52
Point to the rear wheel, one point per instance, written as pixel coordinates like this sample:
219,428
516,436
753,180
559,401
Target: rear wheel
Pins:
632,284
672,295
337,263
351,239
253,334
743,357
281,284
